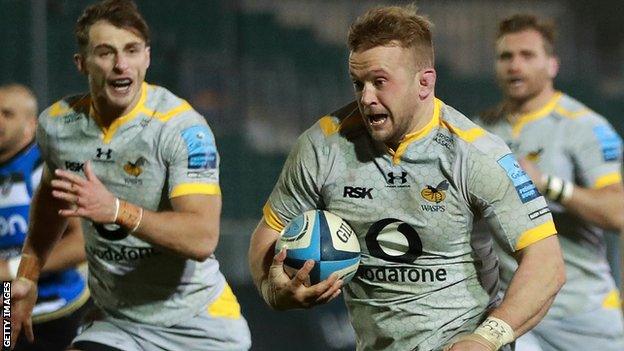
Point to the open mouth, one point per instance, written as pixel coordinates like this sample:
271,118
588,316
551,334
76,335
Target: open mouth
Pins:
514,82
121,85
377,118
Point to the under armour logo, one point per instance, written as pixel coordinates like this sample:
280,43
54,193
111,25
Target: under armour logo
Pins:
101,153
392,177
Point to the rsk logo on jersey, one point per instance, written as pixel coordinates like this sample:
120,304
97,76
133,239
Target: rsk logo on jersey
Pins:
357,192
74,166
103,154
134,168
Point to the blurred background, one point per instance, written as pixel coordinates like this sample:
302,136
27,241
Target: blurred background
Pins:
262,71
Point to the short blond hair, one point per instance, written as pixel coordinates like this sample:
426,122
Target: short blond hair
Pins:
383,26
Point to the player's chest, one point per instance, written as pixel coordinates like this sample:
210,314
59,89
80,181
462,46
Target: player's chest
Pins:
128,159
426,196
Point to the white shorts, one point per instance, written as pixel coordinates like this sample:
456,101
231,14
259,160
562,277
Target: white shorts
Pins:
216,328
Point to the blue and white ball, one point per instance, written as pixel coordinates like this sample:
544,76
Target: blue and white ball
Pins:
325,238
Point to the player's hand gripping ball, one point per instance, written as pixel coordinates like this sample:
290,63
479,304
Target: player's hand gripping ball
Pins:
325,238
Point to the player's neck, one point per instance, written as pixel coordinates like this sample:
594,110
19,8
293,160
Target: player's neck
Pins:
107,114
422,116
517,108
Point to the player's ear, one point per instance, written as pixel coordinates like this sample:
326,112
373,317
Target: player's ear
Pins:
80,65
426,79
553,66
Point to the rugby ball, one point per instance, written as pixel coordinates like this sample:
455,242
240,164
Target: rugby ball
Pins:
323,237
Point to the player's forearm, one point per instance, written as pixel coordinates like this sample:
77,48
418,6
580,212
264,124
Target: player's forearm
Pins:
602,207
45,227
537,280
261,252
68,253
190,235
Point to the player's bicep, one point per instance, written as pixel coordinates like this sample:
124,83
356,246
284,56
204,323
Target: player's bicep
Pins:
510,203
597,152
192,161
298,187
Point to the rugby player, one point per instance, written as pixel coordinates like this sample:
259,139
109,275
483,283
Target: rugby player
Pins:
424,282
139,167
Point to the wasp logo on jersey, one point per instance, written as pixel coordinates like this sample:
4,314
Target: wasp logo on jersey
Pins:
357,192
436,194
134,168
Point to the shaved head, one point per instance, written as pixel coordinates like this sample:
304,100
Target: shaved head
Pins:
18,119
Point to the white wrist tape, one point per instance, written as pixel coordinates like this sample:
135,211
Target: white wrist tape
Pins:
13,264
116,210
557,189
496,331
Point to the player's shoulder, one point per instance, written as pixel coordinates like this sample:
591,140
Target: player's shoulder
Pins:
169,109
69,105
575,113
342,124
468,137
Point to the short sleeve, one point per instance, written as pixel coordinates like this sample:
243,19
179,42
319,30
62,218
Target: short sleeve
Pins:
190,152
510,203
596,151
298,187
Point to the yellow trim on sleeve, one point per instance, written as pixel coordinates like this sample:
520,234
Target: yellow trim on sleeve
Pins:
109,132
612,300
195,189
607,179
271,219
535,115
536,234
226,305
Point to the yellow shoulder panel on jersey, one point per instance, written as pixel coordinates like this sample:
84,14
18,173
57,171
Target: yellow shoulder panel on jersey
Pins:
328,125
63,107
535,115
109,132
271,219
607,179
572,114
167,115
468,135
536,234
195,189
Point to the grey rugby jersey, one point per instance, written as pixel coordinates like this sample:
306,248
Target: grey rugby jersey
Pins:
159,150
568,140
424,277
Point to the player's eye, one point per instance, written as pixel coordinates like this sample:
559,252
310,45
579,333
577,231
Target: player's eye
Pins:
358,86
